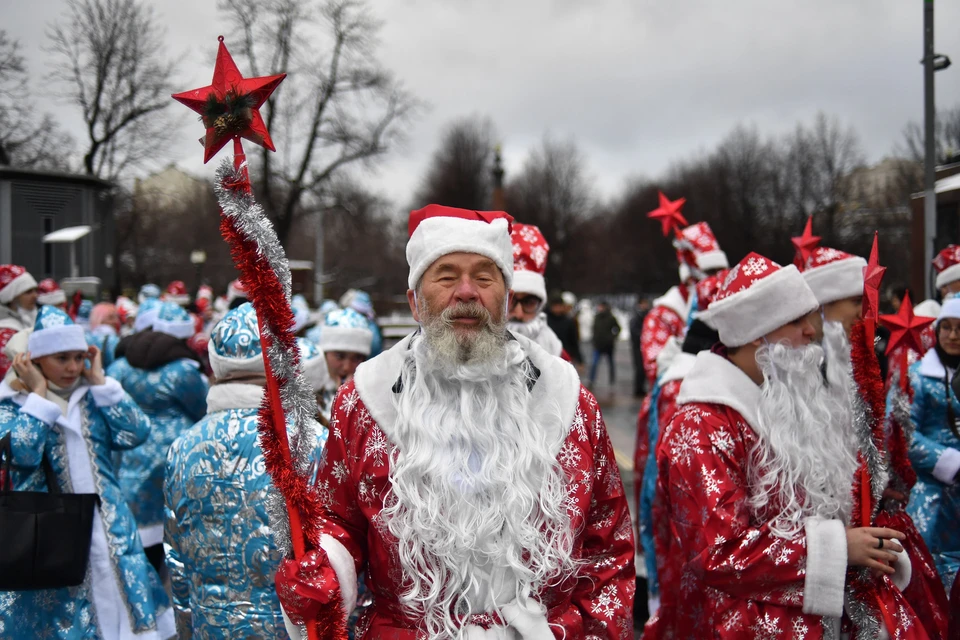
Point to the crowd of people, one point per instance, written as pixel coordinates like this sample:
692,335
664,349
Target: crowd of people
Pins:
464,481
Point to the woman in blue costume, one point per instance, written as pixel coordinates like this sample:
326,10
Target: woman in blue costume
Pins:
220,549
935,445
57,407
165,379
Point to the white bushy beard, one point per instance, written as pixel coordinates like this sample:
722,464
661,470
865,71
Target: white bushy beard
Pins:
477,496
529,329
803,464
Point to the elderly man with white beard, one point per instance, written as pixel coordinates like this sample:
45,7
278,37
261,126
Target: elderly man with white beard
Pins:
467,472
754,482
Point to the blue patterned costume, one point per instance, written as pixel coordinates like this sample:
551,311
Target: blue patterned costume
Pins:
935,454
174,396
107,343
121,594
220,549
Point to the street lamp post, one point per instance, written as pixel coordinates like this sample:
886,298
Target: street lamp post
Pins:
198,258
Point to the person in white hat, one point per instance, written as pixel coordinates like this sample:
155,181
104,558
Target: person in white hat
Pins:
467,472
755,481
18,297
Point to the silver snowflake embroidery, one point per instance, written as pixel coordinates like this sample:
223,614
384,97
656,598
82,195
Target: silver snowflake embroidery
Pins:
570,502
766,628
721,441
733,621
529,235
754,267
569,456
710,482
326,493
607,603
350,402
579,425
377,447
800,629
684,446
339,471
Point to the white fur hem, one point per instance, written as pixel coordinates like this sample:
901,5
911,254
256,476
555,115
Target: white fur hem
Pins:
342,563
903,571
107,394
826,567
948,464
837,280
532,283
151,536
42,409
948,275
653,605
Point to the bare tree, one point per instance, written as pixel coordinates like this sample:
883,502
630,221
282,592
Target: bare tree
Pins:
27,139
459,173
946,138
553,192
110,57
338,106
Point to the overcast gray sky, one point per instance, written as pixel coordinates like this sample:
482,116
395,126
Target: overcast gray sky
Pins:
638,84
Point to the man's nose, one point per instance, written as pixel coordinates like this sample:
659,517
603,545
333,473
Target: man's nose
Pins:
466,290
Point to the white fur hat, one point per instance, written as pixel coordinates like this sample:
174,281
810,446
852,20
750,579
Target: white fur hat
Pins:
834,275
757,297
437,230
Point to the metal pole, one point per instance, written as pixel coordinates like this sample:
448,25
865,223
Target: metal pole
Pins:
318,260
930,160
74,270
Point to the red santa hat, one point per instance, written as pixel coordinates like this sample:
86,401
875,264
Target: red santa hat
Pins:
758,296
947,265
177,293
530,251
49,292
834,275
705,247
235,290
14,280
437,230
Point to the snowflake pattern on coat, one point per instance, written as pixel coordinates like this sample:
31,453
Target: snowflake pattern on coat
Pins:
597,602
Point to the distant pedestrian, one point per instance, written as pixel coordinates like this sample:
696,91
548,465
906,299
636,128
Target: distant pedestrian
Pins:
605,332
640,312
562,322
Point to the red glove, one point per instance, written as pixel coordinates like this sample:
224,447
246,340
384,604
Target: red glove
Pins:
309,589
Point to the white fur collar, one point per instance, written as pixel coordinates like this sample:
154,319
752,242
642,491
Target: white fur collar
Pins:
931,366
674,301
679,367
558,384
234,395
716,380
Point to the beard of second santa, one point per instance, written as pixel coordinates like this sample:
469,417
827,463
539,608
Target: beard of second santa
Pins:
477,496
803,464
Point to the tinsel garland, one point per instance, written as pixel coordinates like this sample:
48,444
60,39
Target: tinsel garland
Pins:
265,273
901,432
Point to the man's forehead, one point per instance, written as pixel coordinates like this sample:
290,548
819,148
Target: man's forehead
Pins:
463,260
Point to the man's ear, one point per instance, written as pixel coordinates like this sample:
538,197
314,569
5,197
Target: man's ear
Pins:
412,301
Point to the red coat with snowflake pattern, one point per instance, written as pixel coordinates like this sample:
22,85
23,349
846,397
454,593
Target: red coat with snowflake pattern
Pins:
598,602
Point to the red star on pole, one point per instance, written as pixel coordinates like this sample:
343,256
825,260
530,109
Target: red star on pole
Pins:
805,244
230,106
905,328
668,213
872,275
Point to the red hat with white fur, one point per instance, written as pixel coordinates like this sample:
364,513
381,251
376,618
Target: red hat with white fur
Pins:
177,293
834,275
705,247
757,297
49,292
14,280
947,265
437,230
530,251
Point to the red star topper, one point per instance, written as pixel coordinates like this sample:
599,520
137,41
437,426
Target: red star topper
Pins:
872,275
805,244
230,105
905,328
668,213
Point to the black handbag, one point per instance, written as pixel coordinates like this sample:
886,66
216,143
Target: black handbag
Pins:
44,537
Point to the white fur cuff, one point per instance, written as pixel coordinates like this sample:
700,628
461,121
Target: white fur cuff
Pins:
107,394
903,570
42,409
948,464
826,567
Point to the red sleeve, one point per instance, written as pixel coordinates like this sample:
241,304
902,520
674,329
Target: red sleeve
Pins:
702,458
658,326
337,477
607,582
565,356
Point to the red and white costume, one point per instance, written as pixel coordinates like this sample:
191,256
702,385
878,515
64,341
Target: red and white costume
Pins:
530,252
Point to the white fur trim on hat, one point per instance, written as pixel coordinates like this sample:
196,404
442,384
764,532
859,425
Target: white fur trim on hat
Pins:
684,272
836,280
948,275
315,371
54,297
712,260
181,299
769,304
182,329
20,284
950,309
65,337
441,235
350,339
222,365
530,282
146,319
